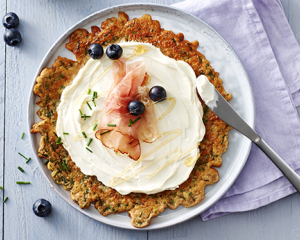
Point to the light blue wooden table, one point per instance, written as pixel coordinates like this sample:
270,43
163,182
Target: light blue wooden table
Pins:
42,22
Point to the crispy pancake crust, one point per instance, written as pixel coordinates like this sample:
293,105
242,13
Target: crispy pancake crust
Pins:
87,189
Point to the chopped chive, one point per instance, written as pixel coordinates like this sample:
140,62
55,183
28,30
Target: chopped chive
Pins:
95,126
65,166
90,140
59,143
21,182
84,116
58,140
111,125
80,112
94,102
89,150
23,156
66,133
130,122
105,132
55,134
136,120
1,187
28,160
46,163
5,199
83,133
21,169
95,94
89,91
89,105
22,135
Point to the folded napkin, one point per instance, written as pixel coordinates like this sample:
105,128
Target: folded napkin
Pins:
259,33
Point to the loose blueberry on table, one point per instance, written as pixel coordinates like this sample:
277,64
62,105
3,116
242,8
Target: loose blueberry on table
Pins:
157,93
135,107
96,51
42,208
114,51
10,20
12,37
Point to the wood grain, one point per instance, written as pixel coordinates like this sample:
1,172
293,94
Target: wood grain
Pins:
42,22
2,108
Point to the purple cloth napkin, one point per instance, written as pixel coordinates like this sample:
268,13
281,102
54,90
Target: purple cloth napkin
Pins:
259,33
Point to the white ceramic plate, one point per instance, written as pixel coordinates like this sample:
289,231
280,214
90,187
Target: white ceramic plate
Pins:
223,59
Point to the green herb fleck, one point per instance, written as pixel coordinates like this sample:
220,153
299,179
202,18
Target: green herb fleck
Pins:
22,135
111,125
89,150
83,133
65,166
21,182
136,120
85,117
130,122
21,169
23,156
89,105
80,112
89,142
65,133
95,94
58,140
89,91
105,132
95,126
28,160
5,199
191,195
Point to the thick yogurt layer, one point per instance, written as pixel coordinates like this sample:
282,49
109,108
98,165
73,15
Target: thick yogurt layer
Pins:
165,163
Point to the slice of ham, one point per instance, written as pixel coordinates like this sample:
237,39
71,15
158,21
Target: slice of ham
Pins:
129,80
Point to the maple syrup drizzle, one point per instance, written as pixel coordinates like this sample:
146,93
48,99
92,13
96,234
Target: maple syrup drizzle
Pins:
81,95
176,133
170,161
139,50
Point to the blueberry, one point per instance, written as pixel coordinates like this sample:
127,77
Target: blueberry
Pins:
10,20
114,51
12,37
136,107
42,208
157,93
96,51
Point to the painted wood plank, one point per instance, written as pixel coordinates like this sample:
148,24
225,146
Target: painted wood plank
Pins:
42,22
2,107
279,220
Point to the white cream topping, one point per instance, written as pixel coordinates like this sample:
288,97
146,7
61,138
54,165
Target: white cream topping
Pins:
165,163
205,89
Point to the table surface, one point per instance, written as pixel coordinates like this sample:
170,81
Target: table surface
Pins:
42,22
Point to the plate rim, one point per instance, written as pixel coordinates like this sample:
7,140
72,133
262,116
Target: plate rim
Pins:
46,59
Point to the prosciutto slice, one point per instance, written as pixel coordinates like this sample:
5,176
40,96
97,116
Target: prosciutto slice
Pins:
129,80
